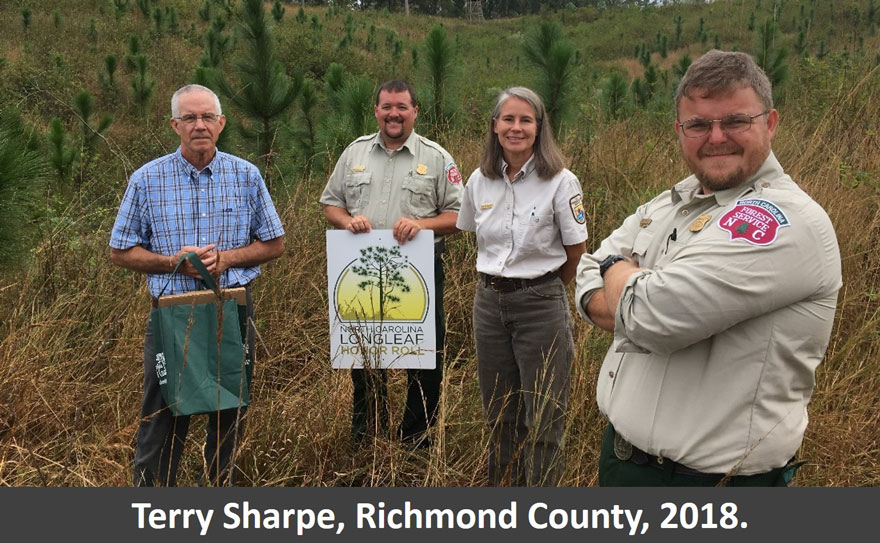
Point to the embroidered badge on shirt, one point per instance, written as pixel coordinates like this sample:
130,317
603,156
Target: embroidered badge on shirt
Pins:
487,206
645,222
700,223
359,168
755,220
421,169
452,174
577,209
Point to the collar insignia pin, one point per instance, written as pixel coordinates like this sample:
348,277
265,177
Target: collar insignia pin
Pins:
644,223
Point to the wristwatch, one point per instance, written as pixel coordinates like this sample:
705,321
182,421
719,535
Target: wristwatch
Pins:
609,261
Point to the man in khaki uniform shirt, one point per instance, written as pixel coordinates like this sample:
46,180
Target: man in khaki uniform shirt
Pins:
721,295
399,180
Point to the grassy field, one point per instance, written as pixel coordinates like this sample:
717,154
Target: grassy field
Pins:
71,324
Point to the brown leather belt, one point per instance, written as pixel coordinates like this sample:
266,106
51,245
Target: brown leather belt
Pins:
510,284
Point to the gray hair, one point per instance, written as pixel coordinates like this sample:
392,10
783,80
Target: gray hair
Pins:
175,98
718,72
549,160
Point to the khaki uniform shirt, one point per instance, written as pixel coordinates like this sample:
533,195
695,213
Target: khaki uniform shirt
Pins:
523,225
419,180
716,342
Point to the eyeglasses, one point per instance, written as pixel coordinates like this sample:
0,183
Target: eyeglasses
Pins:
730,124
208,118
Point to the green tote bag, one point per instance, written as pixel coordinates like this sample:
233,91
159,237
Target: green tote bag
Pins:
202,359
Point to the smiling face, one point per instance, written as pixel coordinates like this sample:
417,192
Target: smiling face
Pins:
198,140
720,160
516,127
396,115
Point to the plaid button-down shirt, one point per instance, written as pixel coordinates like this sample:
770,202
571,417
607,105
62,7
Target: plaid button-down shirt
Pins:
169,204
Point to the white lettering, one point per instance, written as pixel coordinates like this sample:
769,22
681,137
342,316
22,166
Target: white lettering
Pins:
365,515
533,522
140,507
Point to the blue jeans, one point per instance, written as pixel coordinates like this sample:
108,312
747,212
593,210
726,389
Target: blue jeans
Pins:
524,347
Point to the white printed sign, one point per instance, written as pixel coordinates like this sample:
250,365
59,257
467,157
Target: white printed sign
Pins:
381,300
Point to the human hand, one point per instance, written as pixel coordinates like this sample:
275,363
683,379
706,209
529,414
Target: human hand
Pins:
358,225
202,253
405,229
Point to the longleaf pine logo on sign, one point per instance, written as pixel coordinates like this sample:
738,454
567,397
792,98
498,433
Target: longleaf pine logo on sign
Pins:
381,286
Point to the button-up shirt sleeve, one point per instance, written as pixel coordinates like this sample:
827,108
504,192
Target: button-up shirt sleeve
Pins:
713,284
265,222
334,192
588,280
569,210
131,227
449,186
467,213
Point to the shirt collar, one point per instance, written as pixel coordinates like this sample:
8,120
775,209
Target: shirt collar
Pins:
192,171
409,144
526,169
688,188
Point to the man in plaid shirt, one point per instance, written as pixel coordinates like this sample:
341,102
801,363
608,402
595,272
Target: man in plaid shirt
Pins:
200,200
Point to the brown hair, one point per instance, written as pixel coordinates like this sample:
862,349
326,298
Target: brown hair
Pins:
719,72
396,85
549,160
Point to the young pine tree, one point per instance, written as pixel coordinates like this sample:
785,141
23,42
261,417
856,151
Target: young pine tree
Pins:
142,85
769,57
107,77
84,105
61,157
613,96
22,170
552,57
265,91
439,58
277,10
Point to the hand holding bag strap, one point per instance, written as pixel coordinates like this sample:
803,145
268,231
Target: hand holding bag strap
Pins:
207,278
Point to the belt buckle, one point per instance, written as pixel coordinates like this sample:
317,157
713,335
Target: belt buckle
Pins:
499,284
623,449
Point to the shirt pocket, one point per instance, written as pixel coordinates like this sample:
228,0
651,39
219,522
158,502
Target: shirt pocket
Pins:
642,244
357,192
538,234
234,231
419,198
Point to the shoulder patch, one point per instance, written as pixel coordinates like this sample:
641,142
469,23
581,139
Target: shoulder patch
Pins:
452,174
576,203
755,220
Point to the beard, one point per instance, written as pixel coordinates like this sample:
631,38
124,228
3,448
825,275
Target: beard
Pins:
397,132
715,182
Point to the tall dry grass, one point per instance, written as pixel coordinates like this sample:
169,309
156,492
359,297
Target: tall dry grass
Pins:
72,326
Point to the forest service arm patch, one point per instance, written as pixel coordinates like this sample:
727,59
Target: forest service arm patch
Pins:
755,220
577,209
452,174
